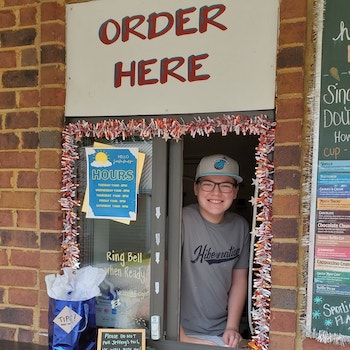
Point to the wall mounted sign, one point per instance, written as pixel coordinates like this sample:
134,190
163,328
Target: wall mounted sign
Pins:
137,57
111,183
328,300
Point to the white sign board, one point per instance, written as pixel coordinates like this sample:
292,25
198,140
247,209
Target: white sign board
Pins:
142,57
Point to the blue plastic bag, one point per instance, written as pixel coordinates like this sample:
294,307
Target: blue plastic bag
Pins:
72,325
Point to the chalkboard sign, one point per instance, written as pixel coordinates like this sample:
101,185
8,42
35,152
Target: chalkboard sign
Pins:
335,82
329,300
121,339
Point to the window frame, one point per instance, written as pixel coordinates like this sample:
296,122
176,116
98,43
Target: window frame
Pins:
170,128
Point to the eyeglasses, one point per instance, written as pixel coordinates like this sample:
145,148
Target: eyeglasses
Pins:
224,187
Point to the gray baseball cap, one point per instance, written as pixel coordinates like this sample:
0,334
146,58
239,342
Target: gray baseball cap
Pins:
218,164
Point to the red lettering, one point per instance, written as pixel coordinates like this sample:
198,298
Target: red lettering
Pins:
152,20
103,32
204,18
143,71
118,74
167,67
193,67
165,70
127,29
181,20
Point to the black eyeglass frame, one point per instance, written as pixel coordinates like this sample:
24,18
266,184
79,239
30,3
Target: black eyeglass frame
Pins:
200,182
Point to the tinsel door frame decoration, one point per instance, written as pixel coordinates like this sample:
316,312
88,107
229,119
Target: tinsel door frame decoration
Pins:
173,129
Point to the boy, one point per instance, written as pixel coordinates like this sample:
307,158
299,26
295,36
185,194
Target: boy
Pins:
215,257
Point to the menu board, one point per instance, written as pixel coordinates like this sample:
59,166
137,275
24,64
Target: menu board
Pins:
331,275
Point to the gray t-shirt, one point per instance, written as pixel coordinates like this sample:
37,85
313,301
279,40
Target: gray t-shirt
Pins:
209,253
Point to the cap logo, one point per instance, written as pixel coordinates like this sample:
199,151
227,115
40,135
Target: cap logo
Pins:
220,163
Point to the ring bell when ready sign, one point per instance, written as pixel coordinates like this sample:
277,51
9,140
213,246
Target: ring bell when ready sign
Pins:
163,57
121,339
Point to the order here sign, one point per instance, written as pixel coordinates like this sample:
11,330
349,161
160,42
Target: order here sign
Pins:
141,57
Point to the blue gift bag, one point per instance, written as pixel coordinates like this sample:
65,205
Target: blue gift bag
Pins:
72,325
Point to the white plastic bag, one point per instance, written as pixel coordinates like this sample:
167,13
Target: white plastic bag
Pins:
75,285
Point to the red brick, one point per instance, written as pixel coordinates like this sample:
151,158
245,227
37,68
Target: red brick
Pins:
53,54
26,218
53,118
13,160
6,218
286,205
286,276
278,341
51,220
285,228
29,98
50,241
7,100
52,32
290,108
7,59
290,57
27,16
292,33
21,37
27,179
25,258
50,179
7,19
52,11
26,335
22,239
53,75
44,325
19,2
292,9
8,333
283,321
289,131
19,278
50,261
52,96
9,141
18,200
20,78
50,159
4,261
25,297
287,179
290,83
50,201
285,252
287,155
29,57
30,140
6,179
16,316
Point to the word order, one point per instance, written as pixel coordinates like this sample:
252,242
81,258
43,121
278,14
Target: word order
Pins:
160,23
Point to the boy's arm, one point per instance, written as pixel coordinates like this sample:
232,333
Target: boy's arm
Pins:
236,301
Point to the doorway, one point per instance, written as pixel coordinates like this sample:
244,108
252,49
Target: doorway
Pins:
239,147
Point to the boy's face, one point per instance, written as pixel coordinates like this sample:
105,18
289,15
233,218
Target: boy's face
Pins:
214,203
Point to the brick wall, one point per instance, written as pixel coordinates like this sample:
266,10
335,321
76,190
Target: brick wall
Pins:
31,119
294,73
